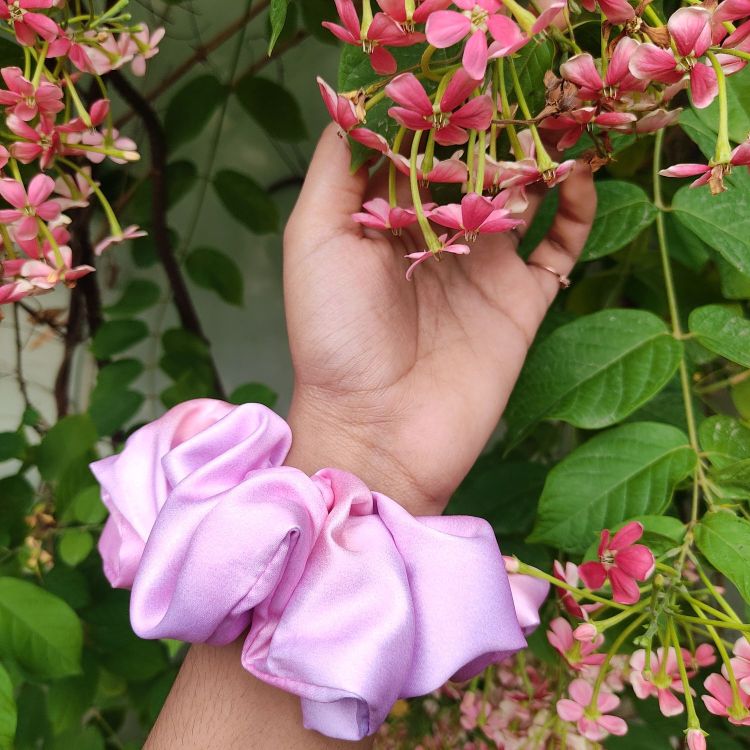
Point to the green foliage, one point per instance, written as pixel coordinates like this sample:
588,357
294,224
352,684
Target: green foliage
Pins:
594,372
623,211
628,471
722,331
725,541
138,295
8,711
246,201
212,269
38,630
117,336
272,107
278,15
254,393
71,438
720,221
191,108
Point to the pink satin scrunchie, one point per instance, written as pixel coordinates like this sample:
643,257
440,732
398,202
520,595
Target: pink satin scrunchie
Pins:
351,602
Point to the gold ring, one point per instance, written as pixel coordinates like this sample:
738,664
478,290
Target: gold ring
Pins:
561,277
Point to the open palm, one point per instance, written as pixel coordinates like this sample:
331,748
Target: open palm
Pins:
413,375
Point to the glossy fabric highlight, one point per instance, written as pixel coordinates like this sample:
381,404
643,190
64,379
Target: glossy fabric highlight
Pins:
351,602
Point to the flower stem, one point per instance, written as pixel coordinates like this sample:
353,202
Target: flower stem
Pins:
114,225
692,717
530,570
543,160
515,144
614,649
433,244
674,312
397,141
723,152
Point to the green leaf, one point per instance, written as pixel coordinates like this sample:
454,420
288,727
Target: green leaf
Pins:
738,101
273,107
33,727
246,201
87,738
277,15
12,445
721,221
212,269
661,533
8,712
505,493
531,62
185,354
724,540
725,440
69,584
71,438
139,295
70,698
188,386
16,498
38,630
254,393
111,403
623,211
722,331
626,472
74,546
192,107
87,506
703,136
116,336
594,371
314,12
111,411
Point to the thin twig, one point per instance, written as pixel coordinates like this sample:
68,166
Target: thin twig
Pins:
72,339
19,359
199,55
159,206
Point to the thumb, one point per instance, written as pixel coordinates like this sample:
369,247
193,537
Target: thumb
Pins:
329,196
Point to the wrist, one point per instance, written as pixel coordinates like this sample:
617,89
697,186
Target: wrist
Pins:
324,435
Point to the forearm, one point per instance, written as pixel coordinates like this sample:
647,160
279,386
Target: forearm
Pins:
216,705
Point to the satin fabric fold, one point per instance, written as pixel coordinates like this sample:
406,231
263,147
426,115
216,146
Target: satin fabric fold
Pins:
351,602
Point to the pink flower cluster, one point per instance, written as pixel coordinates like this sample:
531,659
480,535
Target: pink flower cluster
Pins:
51,128
474,99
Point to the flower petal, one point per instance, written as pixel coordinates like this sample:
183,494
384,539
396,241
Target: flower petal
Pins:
407,91
474,57
592,574
703,84
446,27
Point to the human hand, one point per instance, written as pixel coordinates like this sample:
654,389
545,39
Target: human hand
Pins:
402,382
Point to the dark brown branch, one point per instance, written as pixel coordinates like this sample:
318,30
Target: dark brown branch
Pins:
159,205
199,55
83,253
72,339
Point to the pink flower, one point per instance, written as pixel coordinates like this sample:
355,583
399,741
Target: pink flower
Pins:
581,70
29,208
711,174
381,32
616,11
448,27
741,663
144,46
704,656
73,191
657,120
593,723
107,140
525,170
622,562
66,45
26,23
445,247
659,680
46,275
449,118
15,291
129,233
475,215
571,125
451,170
397,10
569,575
721,702
42,142
577,653
24,100
379,214
471,708
696,739
340,108
690,29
